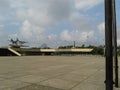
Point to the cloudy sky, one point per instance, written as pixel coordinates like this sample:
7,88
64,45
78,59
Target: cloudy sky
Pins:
54,22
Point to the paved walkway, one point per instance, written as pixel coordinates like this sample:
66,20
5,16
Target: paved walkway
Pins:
52,73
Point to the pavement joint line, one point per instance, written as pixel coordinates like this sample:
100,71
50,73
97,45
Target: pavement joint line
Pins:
13,77
73,68
84,79
41,85
42,80
22,81
15,89
13,86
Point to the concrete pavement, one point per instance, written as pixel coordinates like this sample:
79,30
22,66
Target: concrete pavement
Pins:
52,73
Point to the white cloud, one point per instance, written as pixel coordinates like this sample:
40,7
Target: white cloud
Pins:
3,39
65,35
80,36
13,36
86,4
101,27
79,22
47,12
118,35
26,29
52,37
118,42
30,31
17,3
40,16
118,31
60,9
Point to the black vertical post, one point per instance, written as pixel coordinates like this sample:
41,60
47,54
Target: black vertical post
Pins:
108,44
115,43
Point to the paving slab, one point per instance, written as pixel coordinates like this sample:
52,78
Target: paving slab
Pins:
38,87
10,75
53,73
59,83
10,84
72,77
31,78
2,79
88,86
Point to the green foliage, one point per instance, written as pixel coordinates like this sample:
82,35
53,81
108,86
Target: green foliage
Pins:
118,50
98,51
83,46
65,47
119,53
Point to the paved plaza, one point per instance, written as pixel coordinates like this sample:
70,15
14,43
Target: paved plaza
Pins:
52,73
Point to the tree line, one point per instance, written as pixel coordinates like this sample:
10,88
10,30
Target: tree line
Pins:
97,50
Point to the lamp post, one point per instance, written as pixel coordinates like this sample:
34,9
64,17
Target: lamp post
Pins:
108,44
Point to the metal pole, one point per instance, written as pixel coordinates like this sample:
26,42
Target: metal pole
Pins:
115,43
108,44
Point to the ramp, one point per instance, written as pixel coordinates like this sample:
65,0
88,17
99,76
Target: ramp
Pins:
15,52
